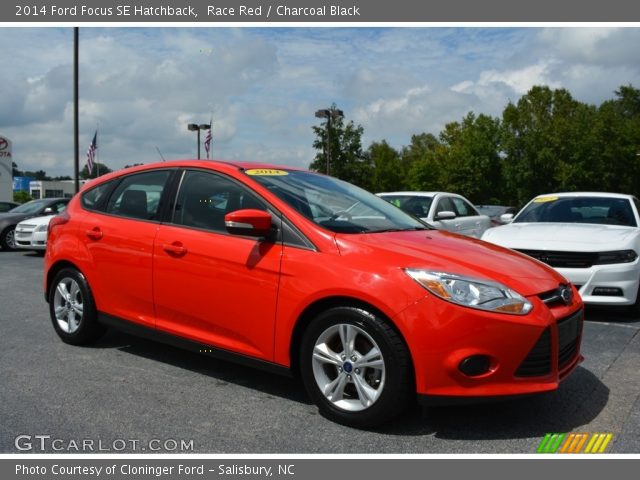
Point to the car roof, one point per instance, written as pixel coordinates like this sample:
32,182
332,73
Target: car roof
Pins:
587,194
415,194
222,165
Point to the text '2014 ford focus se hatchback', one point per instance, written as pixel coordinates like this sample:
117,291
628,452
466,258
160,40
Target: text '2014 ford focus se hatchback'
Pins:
301,273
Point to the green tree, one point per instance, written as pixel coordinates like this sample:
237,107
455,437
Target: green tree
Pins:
548,144
347,160
99,169
471,158
21,196
388,169
422,162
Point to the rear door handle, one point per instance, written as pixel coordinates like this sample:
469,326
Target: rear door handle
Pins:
95,233
176,249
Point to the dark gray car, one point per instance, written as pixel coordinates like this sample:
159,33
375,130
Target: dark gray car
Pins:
34,208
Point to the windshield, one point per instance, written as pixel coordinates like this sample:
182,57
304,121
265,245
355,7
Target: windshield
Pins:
333,204
33,206
599,210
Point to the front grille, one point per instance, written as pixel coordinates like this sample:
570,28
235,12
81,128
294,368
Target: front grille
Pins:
569,332
538,362
563,259
554,297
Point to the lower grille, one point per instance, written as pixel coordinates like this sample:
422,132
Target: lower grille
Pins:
569,332
538,362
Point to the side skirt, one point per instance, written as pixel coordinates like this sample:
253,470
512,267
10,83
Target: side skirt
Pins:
186,344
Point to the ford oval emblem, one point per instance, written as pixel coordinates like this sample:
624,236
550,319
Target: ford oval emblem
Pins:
567,295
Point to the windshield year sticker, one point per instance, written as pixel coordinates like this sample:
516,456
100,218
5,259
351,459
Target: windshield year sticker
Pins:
544,199
267,172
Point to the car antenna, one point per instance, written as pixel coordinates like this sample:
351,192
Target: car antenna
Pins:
160,153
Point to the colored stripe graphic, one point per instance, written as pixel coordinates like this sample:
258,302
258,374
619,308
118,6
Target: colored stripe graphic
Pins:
574,442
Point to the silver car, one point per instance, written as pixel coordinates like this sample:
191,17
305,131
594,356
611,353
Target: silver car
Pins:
442,210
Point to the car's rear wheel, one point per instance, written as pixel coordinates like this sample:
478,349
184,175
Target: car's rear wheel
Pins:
72,308
355,367
8,238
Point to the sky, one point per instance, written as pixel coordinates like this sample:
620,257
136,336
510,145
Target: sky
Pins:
140,87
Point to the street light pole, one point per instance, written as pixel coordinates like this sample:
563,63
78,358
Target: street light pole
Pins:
330,114
194,127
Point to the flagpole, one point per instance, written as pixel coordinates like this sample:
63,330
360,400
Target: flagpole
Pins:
97,152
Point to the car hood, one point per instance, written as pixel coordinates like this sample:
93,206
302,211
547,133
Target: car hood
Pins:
443,251
573,237
38,220
9,218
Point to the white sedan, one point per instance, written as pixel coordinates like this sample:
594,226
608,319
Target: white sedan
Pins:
31,234
592,239
442,210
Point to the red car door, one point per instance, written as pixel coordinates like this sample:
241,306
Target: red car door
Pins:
120,241
210,286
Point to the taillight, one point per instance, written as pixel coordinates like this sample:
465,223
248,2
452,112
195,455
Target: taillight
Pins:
59,219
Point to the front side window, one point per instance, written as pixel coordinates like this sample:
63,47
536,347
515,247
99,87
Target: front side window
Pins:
205,198
462,208
138,196
333,204
445,205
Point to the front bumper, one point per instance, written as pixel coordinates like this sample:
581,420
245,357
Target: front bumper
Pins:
443,335
31,240
622,276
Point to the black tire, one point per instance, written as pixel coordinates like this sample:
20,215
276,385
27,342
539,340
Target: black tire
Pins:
392,384
74,331
7,238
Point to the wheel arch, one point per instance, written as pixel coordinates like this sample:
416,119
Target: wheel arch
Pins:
323,304
53,271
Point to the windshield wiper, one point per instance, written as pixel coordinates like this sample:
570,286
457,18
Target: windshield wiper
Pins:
407,229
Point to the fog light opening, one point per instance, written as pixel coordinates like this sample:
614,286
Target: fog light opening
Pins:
475,365
607,292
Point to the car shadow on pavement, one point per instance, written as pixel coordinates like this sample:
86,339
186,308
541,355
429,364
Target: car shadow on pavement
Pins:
579,400
220,370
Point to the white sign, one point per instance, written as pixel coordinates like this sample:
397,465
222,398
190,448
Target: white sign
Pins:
6,170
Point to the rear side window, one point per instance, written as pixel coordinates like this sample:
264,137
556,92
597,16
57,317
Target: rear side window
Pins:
138,196
94,198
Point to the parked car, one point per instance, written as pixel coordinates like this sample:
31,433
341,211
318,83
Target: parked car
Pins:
592,239
230,260
6,206
494,212
34,208
442,210
31,234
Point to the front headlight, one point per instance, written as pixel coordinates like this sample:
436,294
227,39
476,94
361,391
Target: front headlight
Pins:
41,228
471,292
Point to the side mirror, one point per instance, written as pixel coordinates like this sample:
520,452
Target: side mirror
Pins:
445,215
251,222
48,211
506,217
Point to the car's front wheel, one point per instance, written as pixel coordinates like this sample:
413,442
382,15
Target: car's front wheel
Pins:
355,367
72,308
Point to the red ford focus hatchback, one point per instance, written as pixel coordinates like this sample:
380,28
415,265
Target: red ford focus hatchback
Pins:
305,274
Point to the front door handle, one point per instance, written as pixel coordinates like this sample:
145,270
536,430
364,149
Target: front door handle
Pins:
175,249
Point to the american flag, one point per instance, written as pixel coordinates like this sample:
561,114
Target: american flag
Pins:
91,153
207,141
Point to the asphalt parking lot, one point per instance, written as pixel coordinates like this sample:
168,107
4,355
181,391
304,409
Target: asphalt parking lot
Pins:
125,389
